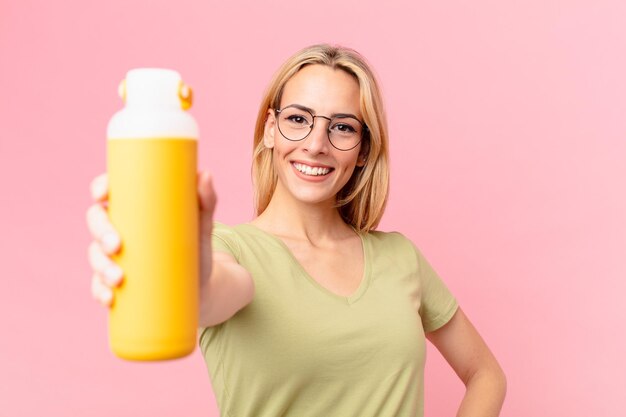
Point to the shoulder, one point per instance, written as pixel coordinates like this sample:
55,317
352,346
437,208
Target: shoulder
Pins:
227,238
222,229
244,239
242,232
226,231
392,240
398,246
392,244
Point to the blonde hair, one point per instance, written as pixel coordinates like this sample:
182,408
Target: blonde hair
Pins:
361,202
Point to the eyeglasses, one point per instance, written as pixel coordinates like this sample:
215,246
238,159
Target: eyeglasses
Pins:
345,131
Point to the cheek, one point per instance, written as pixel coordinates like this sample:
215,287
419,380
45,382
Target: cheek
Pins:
283,147
350,161
279,156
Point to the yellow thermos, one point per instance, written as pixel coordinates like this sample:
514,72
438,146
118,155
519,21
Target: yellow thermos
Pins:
153,204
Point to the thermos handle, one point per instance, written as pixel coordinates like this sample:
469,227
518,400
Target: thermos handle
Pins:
121,90
185,94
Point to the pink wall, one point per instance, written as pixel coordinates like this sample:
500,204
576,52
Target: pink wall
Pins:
508,152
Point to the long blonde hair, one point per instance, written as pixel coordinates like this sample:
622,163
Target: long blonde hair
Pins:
361,202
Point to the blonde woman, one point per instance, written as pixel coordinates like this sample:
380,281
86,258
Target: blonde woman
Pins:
307,310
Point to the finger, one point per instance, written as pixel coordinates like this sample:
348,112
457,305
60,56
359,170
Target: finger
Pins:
100,187
100,292
102,230
109,271
206,192
207,197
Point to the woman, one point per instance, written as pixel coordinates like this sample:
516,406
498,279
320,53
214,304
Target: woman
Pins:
306,310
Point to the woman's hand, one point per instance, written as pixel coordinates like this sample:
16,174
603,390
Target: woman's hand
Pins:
106,241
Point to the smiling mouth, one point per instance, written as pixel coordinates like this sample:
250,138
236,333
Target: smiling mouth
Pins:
312,171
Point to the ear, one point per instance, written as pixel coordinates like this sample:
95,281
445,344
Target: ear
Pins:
270,129
363,152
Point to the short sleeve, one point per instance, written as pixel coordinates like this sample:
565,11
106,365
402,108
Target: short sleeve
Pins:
437,305
224,239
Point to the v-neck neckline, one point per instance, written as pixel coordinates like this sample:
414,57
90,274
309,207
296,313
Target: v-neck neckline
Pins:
365,279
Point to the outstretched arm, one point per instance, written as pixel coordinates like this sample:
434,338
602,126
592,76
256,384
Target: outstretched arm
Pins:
225,286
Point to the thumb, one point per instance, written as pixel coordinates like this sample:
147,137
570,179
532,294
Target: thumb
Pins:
206,193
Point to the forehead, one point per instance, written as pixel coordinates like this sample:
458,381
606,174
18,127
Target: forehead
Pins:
323,89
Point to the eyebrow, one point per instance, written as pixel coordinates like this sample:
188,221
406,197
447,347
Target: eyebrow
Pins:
310,110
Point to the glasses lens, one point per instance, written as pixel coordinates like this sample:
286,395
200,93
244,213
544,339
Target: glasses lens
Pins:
294,123
345,132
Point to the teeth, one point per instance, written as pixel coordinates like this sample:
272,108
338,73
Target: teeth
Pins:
307,170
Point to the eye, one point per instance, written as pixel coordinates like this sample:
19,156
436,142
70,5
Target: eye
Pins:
343,128
297,119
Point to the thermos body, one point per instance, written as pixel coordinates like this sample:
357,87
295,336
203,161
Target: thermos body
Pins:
153,204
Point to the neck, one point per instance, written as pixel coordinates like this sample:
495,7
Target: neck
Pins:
289,218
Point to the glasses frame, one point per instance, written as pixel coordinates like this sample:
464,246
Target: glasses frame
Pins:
364,128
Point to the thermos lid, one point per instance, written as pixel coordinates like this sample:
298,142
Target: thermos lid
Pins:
155,102
155,87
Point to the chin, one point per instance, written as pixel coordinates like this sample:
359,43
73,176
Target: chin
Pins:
313,197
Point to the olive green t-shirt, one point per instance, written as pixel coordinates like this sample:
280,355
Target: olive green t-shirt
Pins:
299,350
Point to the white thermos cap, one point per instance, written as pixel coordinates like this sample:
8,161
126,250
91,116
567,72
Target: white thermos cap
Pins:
155,104
152,87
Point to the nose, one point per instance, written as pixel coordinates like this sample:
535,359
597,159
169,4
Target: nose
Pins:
318,141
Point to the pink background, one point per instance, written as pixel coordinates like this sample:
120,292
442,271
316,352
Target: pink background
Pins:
508,152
